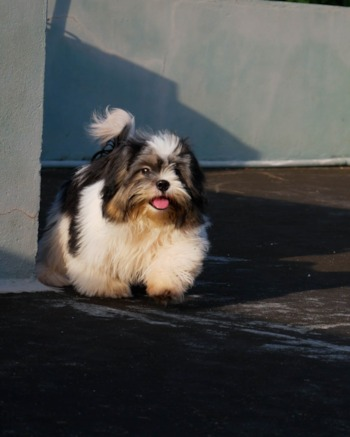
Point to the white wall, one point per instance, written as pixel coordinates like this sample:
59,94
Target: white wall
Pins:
22,54
246,80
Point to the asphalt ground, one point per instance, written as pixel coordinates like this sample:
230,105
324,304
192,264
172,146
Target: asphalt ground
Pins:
259,347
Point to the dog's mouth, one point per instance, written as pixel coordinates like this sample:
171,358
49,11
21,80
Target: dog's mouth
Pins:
160,202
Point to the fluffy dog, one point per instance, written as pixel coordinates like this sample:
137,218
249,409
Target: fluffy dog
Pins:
134,215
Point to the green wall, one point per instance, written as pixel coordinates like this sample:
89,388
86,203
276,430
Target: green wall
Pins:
22,54
248,81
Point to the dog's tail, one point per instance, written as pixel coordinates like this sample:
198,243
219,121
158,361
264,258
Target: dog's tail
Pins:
115,124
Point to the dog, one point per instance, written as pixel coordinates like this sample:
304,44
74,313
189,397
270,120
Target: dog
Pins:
133,216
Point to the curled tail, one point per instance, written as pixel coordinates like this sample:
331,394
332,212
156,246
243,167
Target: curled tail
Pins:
115,124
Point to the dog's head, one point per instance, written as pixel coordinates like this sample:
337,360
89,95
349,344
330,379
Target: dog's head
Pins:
152,176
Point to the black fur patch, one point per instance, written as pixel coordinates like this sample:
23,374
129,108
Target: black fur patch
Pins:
113,164
70,198
194,179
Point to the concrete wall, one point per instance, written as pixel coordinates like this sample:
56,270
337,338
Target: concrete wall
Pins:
22,54
246,80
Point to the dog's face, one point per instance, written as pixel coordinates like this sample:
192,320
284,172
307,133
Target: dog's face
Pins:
155,177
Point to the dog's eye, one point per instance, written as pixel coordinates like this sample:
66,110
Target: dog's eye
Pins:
145,171
177,172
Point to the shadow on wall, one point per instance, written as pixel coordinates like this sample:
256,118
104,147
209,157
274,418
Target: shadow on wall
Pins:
80,78
16,266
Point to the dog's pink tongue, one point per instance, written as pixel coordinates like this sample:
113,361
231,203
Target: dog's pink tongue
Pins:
160,202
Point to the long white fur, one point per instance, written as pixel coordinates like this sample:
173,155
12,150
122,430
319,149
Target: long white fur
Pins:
113,256
164,143
122,252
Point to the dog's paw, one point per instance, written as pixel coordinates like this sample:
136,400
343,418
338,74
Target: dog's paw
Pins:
165,297
121,293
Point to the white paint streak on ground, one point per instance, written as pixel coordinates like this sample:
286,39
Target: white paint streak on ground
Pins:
312,349
272,337
107,312
224,259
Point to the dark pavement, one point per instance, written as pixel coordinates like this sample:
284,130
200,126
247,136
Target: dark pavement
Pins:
260,347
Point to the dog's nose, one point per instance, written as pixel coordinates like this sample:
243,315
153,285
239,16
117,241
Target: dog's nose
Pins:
163,185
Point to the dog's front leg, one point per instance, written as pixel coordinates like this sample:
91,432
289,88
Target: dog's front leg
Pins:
169,277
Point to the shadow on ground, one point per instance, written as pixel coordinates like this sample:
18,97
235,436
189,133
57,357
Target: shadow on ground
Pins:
259,347
261,248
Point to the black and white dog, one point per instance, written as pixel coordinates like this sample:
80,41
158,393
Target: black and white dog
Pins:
134,215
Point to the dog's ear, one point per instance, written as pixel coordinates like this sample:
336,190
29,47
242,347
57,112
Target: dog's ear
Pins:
192,174
116,171
116,178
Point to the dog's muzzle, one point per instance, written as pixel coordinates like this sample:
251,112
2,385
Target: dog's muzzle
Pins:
161,202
